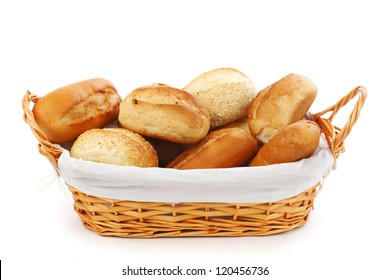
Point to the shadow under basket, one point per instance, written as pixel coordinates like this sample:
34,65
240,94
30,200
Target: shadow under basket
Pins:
124,218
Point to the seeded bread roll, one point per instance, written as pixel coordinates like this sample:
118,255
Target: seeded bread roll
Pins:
225,92
223,148
279,105
114,146
65,113
295,142
167,113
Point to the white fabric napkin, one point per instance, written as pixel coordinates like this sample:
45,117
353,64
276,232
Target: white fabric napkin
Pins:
231,185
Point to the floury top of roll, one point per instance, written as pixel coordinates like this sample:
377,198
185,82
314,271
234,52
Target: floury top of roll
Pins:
218,120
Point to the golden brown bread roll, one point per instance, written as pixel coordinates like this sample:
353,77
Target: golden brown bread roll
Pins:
164,112
65,113
114,146
279,105
225,92
296,141
223,148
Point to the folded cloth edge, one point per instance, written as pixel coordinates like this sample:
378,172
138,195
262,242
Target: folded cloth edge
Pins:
231,185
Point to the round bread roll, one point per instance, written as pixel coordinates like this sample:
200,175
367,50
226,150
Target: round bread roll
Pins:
295,142
279,105
223,148
65,113
225,92
167,113
114,146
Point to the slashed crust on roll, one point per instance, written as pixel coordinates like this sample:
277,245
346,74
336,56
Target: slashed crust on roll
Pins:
164,112
66,112
279,105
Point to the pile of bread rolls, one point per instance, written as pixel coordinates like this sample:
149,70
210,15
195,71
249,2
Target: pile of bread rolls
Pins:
218,120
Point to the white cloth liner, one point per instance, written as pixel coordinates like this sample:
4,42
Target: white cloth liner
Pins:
231,185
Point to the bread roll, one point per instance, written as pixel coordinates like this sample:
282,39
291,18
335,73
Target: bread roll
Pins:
167,113
296,141
114,146
223,148
225,92
65,113
279,105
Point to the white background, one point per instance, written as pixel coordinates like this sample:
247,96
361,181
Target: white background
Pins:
339,44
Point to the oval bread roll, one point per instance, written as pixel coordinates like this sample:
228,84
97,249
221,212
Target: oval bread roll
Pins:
225,92
297,141
65,113
279,105
223,148
114,146
166,113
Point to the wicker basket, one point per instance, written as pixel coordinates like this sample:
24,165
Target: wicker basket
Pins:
122,218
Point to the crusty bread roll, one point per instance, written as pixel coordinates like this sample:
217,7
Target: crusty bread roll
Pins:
296,141
164,112
279,105
65,113
225,92
114,146
223,148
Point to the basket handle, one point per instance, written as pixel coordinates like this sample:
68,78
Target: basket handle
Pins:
334,135
45,147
